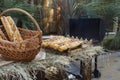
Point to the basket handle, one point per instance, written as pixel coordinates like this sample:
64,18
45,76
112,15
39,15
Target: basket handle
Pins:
25,12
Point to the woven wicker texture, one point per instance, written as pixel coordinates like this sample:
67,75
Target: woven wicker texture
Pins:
25,50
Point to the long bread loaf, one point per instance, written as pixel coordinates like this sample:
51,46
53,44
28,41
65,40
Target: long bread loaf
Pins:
17,35
7,27
2,36
11,29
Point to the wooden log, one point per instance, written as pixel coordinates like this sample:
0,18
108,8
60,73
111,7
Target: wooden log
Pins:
87,70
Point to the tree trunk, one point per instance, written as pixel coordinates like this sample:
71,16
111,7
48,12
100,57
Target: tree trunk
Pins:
115,24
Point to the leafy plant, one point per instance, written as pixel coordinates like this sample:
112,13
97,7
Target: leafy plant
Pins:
106,42
22,4
70,9
116,41
112,42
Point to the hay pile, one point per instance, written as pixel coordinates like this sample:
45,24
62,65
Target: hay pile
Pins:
53,65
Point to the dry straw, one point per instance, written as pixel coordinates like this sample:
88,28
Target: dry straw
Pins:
31,39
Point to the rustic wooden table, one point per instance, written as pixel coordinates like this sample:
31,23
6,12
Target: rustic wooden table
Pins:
38,66
85,61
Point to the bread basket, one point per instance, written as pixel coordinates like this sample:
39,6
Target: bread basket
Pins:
31,39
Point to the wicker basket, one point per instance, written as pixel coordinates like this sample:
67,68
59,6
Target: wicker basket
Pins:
31,39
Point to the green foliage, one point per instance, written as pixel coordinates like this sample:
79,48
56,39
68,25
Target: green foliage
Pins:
112,43
106,42
116,41
104,9
22,4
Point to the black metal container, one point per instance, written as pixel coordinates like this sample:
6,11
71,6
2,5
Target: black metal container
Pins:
90,28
